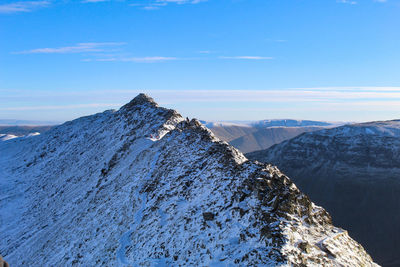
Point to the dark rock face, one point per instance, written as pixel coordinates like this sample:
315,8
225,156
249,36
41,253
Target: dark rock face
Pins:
3,263
208,216
353,172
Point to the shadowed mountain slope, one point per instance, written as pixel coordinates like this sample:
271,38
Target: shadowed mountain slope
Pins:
354,172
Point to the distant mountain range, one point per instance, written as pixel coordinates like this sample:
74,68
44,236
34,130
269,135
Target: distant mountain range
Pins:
354,172
258,135
10,122
142,186
23,130
246,136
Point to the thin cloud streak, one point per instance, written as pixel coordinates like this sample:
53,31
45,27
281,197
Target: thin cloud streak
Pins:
157,4
246,57
93,1
22,6
60,107
312,103
133,59
367,95
78,48
349,2
306,95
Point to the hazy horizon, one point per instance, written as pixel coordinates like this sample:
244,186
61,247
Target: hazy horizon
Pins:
215,60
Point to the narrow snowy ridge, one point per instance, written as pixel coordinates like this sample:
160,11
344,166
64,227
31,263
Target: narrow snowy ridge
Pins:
94,190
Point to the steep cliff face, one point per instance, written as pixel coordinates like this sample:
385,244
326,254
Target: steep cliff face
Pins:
354,172
143,186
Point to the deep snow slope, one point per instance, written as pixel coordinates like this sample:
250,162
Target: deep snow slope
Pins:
143,187
354,172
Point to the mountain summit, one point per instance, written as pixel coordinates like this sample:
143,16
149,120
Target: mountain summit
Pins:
143,186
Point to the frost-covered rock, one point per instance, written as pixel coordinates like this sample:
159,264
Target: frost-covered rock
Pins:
143,186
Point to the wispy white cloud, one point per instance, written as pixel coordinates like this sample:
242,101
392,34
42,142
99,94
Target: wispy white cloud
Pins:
133,59
152,7
321,94
93,1
78,48
152,59
329,103
246,57
22,6
349,2
157,4
60,107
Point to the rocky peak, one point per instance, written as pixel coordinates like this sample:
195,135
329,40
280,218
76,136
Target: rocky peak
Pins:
140,99
147,187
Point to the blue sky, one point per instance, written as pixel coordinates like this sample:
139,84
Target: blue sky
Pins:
214,60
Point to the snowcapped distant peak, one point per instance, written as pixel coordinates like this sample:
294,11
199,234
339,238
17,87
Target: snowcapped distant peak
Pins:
289,123
377,128
32,134
5,137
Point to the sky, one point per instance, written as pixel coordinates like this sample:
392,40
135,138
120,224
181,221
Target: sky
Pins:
220,60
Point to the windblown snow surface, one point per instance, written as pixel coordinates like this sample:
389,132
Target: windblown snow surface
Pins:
143,187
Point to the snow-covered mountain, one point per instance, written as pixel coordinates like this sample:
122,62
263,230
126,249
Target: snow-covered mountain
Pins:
354,172
143,186
289,123
23,130
11,132
258,135
10,122
227,131
5,137
264,138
